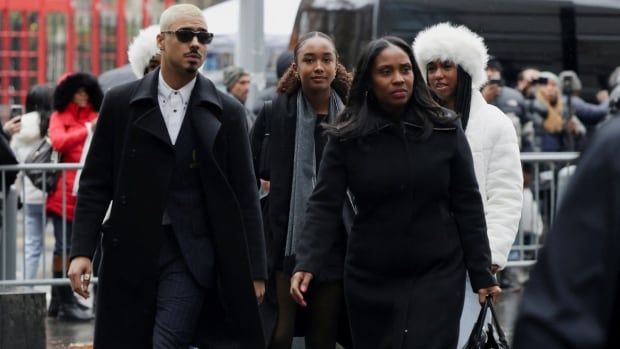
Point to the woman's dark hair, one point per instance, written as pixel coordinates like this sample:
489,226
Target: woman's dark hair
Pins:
67,87
289,83
352,123
39,99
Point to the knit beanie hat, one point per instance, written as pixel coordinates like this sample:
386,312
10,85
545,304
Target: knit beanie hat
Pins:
232,74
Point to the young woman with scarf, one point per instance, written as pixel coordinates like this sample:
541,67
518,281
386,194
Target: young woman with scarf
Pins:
453,61
311,94
420,220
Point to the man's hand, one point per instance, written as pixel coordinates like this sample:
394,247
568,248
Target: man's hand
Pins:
92,125
265,185
80,273
571,126
259,290
602,96
494,268
12,126
299,285
494,291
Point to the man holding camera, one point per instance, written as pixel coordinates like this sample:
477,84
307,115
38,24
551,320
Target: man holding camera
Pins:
588,113
510,101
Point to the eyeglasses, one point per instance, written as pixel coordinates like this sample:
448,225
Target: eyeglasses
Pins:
186,35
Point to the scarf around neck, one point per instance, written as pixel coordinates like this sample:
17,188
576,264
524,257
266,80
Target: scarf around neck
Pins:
304,165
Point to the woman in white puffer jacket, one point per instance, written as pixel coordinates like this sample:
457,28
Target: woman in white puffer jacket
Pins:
453,61
33,129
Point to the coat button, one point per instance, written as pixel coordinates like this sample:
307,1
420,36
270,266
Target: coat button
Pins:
115,242
132,153
403,187
123,200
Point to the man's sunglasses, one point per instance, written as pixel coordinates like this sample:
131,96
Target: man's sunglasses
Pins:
186,35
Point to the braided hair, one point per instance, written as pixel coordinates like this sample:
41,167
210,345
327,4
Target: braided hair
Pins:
462,104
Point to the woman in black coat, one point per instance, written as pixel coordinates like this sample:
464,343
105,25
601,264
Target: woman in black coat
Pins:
287,143
420,223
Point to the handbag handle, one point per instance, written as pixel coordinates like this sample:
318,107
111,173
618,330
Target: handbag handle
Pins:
500,332
478,330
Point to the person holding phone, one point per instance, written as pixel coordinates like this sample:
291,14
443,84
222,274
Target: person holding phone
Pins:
33,129
13,124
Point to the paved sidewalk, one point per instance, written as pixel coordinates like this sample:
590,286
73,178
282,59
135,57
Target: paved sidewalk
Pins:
61,334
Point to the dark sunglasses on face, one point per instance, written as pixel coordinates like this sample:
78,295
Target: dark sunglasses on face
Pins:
186,35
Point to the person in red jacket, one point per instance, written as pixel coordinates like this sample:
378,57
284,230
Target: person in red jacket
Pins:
77,99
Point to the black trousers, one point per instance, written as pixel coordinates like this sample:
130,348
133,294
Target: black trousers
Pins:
180,298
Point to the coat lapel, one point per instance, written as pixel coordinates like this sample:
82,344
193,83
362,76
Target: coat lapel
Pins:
204,109
204,104
146,107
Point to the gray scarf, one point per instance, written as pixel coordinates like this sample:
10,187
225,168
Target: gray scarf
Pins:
304,165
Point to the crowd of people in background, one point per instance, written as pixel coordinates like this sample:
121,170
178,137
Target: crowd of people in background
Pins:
547,109
419,137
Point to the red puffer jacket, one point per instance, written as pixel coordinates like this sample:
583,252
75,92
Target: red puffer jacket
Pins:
68,132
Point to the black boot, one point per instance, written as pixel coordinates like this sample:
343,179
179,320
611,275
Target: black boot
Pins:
52,311
63,304
70,309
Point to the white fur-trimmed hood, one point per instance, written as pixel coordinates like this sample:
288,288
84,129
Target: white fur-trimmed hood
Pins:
142,49
458,44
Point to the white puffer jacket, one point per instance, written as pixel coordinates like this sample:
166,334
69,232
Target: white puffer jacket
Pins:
23,143
497,163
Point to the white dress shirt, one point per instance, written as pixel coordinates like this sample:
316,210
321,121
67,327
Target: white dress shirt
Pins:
173,105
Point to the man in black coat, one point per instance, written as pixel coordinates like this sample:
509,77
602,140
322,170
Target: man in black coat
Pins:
573,297
183,250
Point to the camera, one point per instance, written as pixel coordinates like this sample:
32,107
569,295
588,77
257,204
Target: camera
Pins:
540,81
497,82
567,85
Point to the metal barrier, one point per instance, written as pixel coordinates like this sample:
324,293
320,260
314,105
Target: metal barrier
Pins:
546,176
548,170
11,231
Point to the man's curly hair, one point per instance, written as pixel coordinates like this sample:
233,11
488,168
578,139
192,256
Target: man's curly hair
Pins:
290,82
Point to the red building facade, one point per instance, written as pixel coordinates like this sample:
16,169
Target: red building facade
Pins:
42,39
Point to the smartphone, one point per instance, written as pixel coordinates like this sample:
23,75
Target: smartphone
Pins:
16,110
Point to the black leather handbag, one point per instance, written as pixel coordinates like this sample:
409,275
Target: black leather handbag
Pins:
43,154
481,339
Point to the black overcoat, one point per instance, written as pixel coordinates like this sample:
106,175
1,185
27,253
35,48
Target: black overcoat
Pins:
420,225
572,299
131,161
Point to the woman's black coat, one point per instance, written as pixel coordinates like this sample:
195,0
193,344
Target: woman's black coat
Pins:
420,225
280,125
